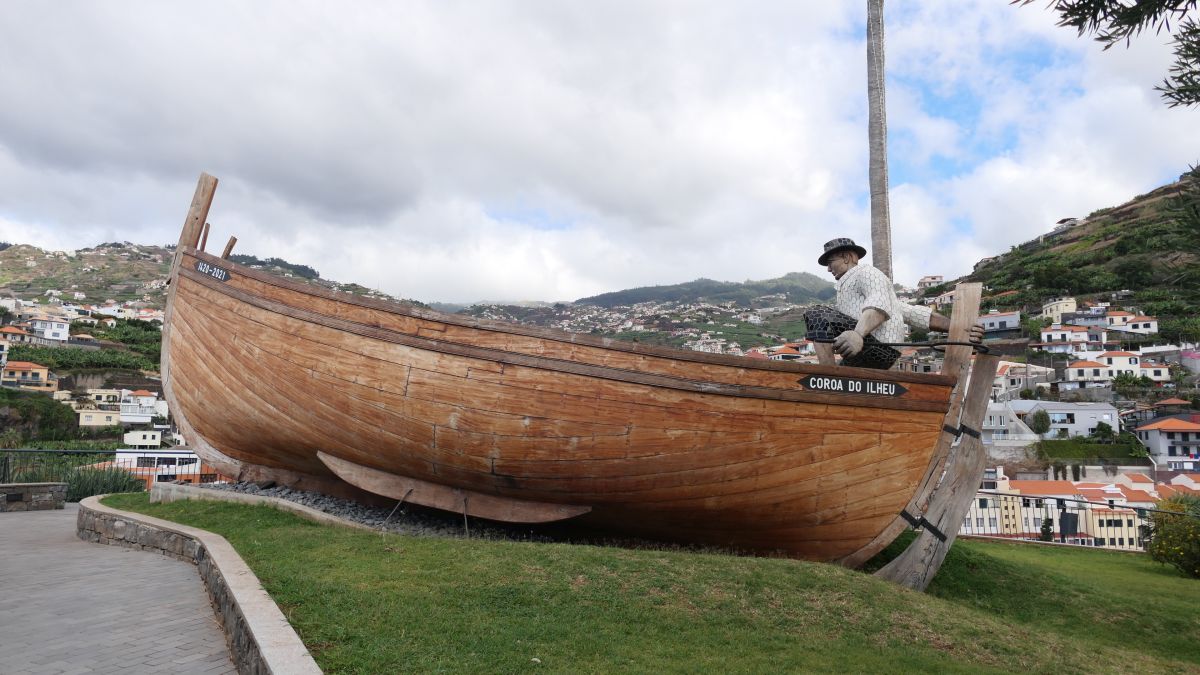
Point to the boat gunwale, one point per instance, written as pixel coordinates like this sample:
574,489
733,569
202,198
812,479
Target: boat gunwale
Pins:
566,366
409,310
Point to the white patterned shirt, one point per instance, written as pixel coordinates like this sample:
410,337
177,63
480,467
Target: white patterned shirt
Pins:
864,286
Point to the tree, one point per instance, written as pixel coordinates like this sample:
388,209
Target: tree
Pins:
1039,422
1114,21
1127,384
1104,432
881,226
1047,533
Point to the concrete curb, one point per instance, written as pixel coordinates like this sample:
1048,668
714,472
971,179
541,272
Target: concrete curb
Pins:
171,492
260,638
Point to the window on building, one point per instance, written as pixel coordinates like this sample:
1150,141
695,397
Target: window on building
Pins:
146,462
184,461
991,522
1099,541
164,477
979,522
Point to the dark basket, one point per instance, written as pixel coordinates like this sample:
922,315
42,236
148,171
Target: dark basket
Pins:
824,323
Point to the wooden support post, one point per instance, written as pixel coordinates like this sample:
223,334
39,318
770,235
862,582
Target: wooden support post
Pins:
197,214
228,248
965,314
918,564
204,236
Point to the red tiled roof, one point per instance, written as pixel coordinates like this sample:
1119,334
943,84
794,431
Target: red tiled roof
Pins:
1173,401
24,365
13,330
141,392
1135,495
1087,364
1043,487
1118,354
1118,312
1144,318
1170,424
1139,478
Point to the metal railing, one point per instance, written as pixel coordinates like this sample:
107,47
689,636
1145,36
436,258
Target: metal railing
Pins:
1061,520
89,472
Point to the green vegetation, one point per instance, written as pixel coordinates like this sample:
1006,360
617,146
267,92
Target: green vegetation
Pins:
1120,447
143,337
76,470
34,419
1039,422
29,414
369,603
303,271
67,358
1150,245
796,287
1176,538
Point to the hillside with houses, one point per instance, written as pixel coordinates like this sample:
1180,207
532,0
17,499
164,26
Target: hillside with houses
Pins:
1099,335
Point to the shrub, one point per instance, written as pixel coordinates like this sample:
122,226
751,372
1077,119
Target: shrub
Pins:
1175,536
87,481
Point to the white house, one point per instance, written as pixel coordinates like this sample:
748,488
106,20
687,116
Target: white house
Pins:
50,328
1121,362
143,438
1069,419
1118,318
1143,325
1158,372
1054,308
930,281
1173,442
1000,321
1082,374
1011,378
1060,333
137,407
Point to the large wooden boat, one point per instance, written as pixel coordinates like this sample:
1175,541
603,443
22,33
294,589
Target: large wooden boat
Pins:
272,378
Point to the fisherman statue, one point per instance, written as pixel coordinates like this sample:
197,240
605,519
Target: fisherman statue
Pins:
867,317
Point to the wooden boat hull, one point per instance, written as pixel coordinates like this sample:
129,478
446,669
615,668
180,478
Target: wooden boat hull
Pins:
265,374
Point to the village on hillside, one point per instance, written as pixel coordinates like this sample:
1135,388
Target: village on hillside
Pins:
1088,407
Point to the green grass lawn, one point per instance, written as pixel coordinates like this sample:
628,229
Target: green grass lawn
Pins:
369,603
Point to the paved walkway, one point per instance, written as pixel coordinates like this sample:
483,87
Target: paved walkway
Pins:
69,606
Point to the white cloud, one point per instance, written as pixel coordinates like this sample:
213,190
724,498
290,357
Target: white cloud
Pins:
458,151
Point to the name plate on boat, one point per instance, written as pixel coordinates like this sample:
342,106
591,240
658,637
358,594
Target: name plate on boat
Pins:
218,273
851,385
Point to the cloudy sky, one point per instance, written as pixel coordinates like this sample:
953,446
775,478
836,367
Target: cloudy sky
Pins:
554,149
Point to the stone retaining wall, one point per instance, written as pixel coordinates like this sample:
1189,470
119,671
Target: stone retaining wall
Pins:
259,636
32,496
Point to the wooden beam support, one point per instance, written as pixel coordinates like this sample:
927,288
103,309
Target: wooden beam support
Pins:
228,248
918,564
966,313
466,502
204,236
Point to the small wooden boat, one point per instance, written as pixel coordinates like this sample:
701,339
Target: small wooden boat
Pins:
271,378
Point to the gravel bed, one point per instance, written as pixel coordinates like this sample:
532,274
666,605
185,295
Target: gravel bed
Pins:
415,520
